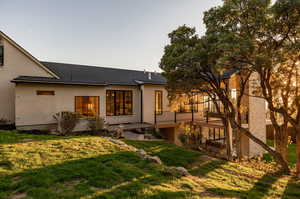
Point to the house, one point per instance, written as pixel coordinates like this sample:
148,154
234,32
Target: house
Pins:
32,91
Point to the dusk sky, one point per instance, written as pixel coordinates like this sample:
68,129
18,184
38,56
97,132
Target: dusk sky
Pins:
127,34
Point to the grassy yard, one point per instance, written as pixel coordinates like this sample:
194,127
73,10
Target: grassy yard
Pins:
291,153
36,166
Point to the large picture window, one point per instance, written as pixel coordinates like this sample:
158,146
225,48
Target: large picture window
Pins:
118,102
158,102
87,106
1,55
190,105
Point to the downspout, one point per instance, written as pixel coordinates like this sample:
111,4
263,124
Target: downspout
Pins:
142,110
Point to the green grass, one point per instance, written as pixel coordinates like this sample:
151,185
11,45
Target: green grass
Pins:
93,167
291,154
7,137
170,154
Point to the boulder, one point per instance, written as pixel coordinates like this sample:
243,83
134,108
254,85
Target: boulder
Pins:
142,152
154,159
182,171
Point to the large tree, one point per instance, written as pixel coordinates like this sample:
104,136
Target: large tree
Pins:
265,37
193,64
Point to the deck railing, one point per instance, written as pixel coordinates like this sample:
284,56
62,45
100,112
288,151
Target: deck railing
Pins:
174,117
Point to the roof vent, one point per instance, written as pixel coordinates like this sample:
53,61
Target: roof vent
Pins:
149,75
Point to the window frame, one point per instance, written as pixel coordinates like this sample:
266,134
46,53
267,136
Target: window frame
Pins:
98,109
114,103
161,100
2,57
45,93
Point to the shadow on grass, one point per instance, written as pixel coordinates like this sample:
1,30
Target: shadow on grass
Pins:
292,189
260,189
12,137
170,154
207,167
79,178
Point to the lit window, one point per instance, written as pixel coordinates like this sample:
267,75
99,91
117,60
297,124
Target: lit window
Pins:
210,106
118,102
87,106
158,102
190,105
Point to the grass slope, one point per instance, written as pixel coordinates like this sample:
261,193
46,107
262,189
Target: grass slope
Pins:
34,166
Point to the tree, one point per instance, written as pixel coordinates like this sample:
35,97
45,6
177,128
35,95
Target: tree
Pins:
193,64
265,38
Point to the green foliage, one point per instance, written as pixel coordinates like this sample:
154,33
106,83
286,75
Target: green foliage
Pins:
66,122
96,124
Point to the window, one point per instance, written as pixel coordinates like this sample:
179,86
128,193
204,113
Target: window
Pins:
210,106
87,106
45,92
118,102
216,134
158,103
1,55
190,105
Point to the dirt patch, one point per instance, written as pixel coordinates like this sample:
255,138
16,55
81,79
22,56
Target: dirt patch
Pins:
16,180
72,183
18,196
95,188
27,140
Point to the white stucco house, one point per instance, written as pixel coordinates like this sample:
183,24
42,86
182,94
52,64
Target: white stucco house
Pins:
32,91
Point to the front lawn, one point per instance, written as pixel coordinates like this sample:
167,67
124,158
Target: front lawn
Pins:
33,166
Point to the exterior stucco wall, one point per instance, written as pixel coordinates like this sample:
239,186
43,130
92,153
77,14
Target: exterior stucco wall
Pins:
257,119
32,109
149,101
15,64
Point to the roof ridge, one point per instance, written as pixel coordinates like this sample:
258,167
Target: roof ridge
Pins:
49,62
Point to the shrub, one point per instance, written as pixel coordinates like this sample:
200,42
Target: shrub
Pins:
215,144
66,122
4,121
97,125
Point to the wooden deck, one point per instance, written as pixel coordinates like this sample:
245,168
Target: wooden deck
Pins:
202,122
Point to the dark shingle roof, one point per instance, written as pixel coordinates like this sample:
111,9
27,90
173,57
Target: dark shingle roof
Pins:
73,74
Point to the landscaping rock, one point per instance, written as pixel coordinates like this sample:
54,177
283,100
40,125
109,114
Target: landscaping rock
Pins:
118,142
142,152
154,159
182,171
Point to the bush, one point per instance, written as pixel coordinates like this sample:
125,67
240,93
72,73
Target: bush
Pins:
4,121
215,144
97,125
66,122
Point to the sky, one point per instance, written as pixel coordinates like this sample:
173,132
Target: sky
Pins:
128,34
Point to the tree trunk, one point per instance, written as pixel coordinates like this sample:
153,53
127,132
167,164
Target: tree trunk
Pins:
238,137
298,154
281,141
277,156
